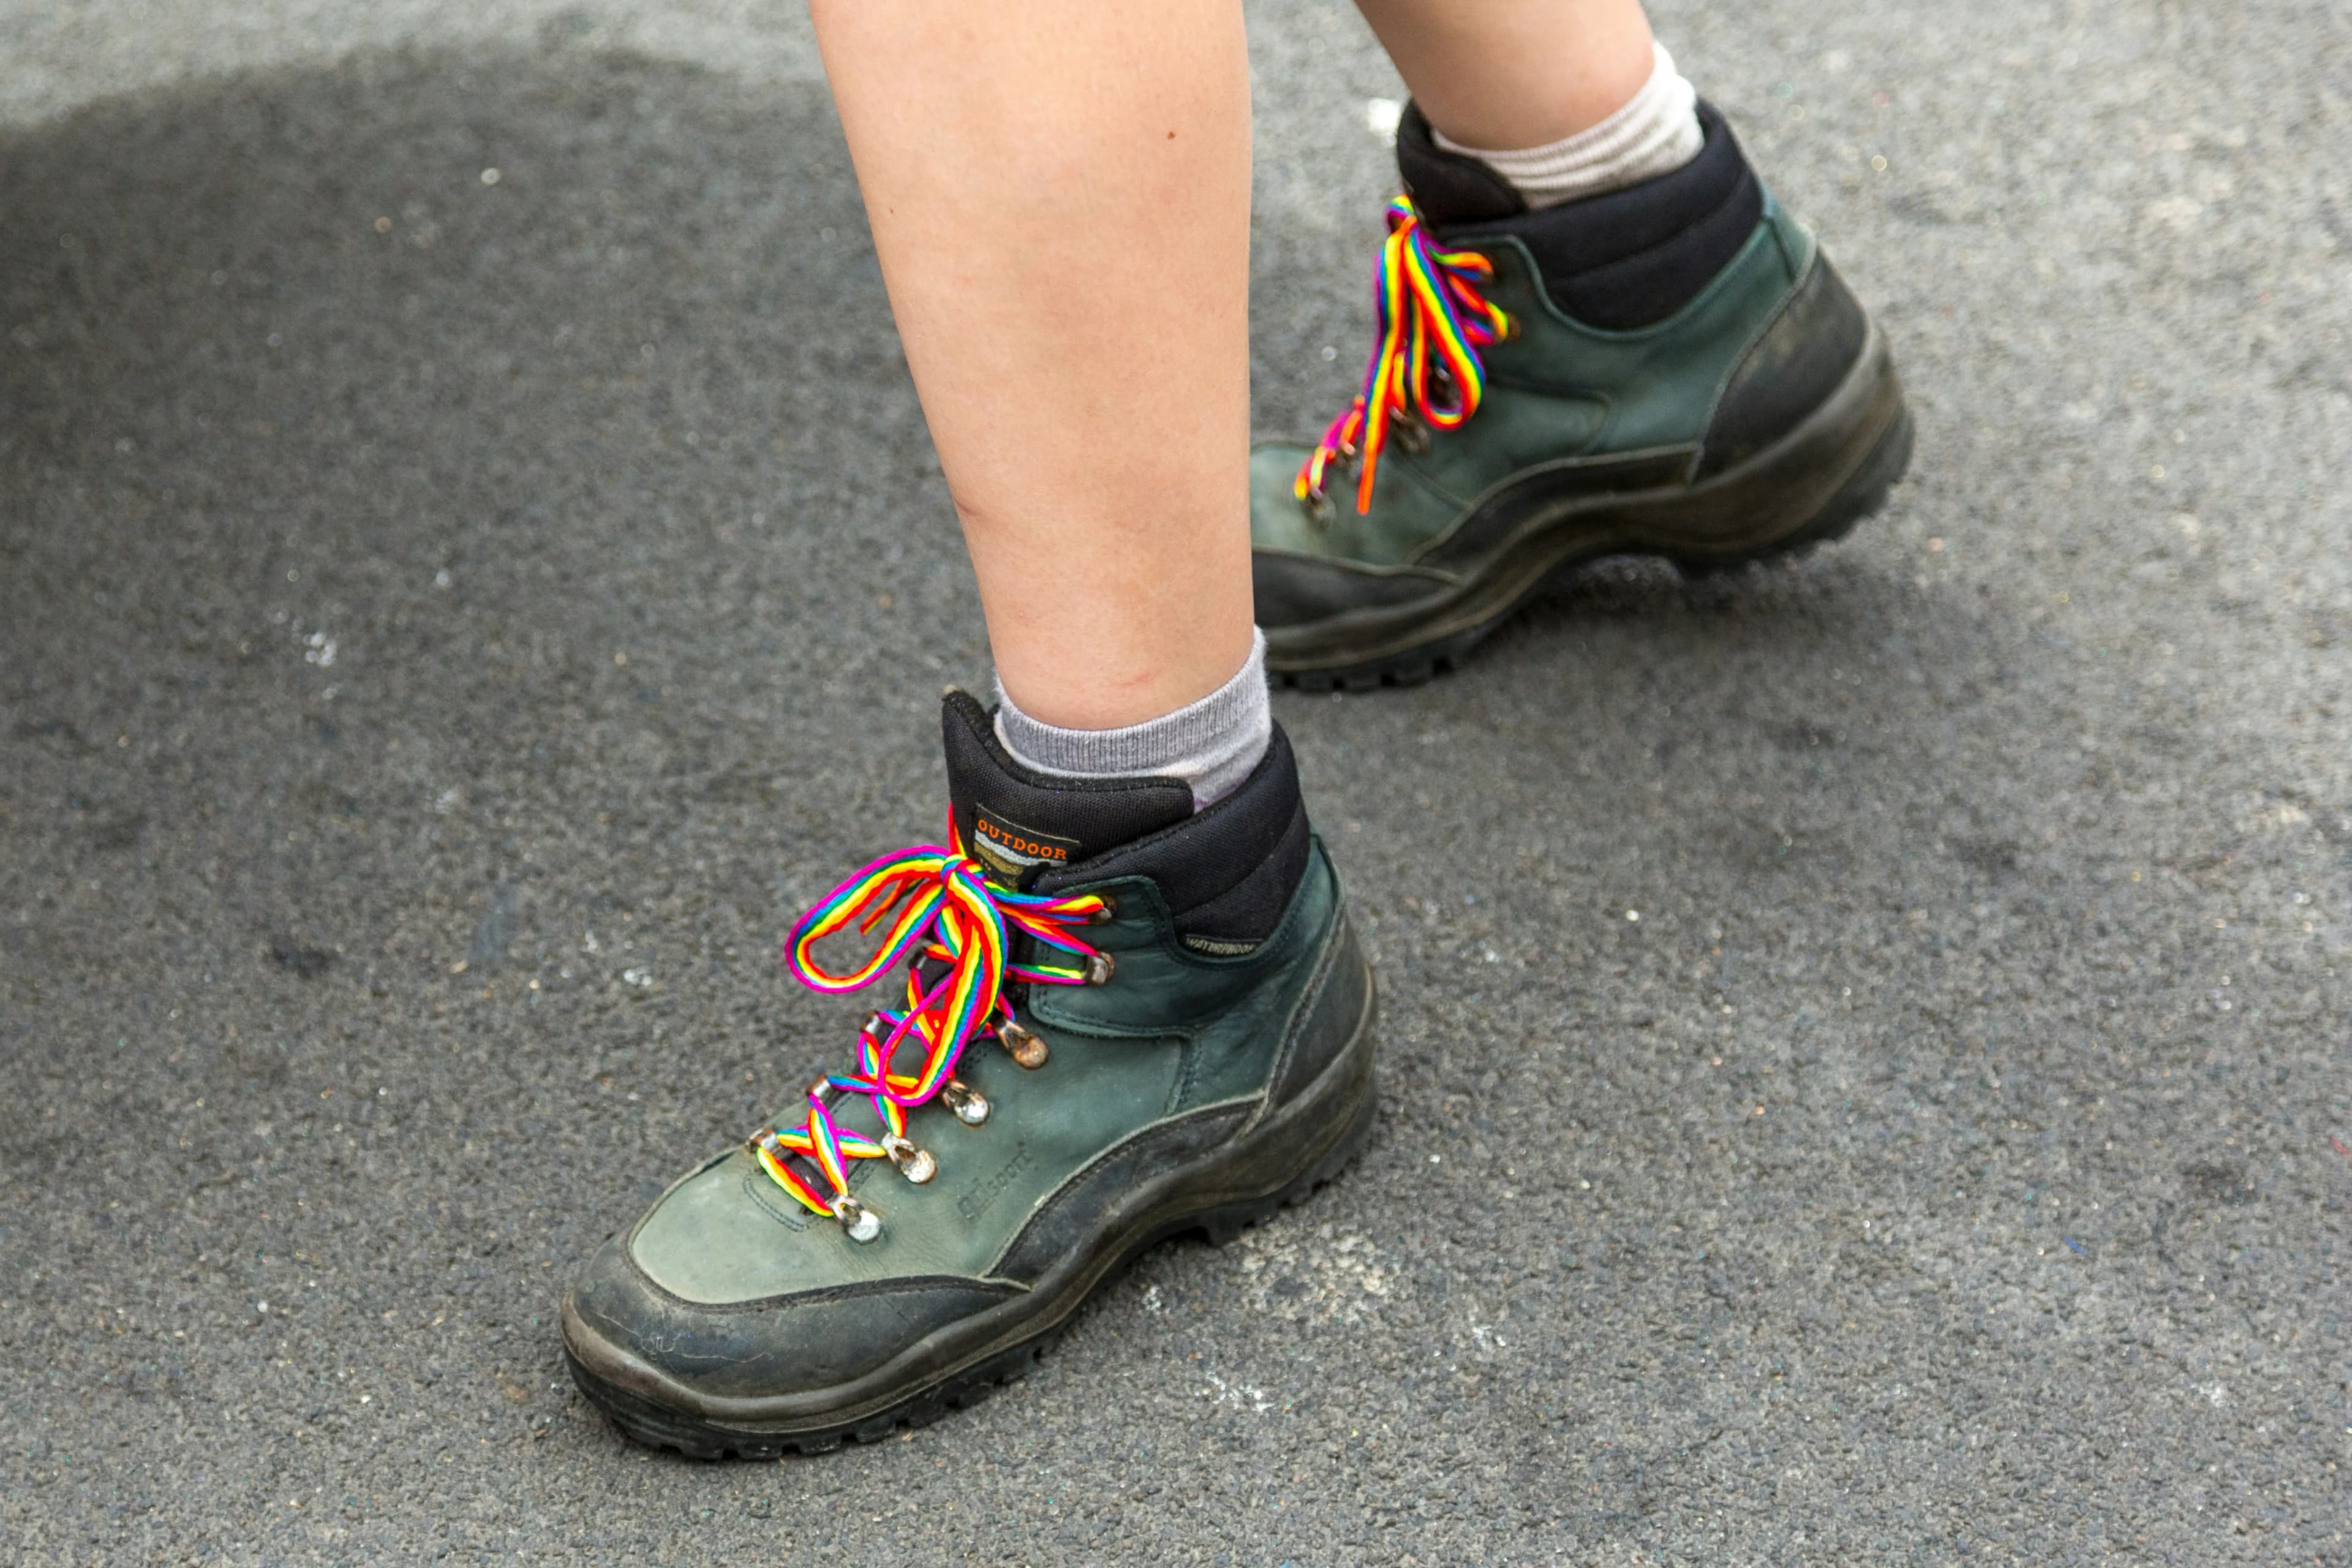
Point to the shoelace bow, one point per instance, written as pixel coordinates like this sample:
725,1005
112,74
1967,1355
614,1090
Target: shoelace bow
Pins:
1433,320
954,932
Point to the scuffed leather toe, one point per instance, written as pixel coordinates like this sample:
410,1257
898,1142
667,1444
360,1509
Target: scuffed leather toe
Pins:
808,1342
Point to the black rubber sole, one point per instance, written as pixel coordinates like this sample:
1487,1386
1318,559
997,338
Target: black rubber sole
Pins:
663,1425
1814,485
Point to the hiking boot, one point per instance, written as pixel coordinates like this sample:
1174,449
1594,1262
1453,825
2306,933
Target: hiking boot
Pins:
1674,369
1122,1021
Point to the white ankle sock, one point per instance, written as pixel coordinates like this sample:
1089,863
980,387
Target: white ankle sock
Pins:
1655,133
1211,745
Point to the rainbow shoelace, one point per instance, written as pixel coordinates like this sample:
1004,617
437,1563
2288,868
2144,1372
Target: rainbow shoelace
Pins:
954,930
1433,320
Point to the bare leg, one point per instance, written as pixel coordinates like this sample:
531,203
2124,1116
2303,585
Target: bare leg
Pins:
1515,73
1059,192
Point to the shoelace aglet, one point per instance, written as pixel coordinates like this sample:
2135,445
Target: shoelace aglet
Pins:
1024,1046
914,1161
970,1106
861,1222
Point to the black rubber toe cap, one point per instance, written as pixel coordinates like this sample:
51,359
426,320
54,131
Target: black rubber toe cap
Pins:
804,1344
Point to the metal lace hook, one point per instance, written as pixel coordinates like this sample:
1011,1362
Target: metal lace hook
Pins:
861,1222
1024,1045
970,1106
914,1161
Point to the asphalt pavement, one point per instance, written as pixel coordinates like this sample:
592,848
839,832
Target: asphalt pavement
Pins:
1865,1065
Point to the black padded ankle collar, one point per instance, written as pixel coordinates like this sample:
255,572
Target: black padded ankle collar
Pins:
1618,261
1449,187
1062,821
1226,873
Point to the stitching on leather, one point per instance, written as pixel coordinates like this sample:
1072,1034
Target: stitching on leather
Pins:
911,1284
1342,929
1142,1139
1498,493
1361,569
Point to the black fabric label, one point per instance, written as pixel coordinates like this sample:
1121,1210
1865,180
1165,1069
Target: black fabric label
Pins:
1014,852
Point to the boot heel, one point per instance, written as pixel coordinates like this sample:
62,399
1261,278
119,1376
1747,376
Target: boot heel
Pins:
1225,1224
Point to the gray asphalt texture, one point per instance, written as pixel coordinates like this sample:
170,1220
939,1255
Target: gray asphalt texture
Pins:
550,577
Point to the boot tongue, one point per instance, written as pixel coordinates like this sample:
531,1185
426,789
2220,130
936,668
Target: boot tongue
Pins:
1021,824
1448,187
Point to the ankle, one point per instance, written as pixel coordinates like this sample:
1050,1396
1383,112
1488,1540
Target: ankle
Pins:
1211,745
1654,132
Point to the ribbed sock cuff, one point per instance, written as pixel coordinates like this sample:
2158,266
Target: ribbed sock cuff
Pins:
1211,745
1655,133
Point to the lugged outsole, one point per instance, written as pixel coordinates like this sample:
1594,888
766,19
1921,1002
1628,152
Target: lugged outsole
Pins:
658,1426
1422,664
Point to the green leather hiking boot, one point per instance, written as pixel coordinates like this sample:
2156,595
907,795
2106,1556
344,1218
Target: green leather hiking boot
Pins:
1123,1020
1675,369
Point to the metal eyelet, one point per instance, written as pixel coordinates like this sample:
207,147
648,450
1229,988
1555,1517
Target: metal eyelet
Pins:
913,1162
1511,328
861,1222
1024,1045
1319,508
765,1141
1411,434
1099,968
970,1106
